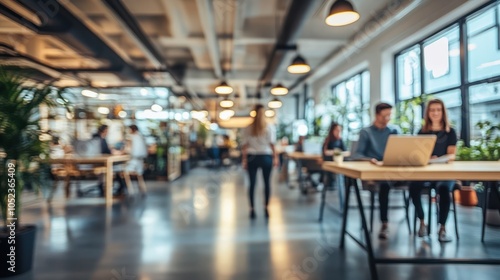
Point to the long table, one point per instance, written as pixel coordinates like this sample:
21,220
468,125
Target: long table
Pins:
355,172
102,160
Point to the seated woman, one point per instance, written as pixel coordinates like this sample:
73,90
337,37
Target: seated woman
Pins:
333,141
436,122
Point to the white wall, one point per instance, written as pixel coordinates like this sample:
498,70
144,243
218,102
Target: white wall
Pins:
378,56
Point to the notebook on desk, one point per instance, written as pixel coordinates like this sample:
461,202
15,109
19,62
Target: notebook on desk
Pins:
408,150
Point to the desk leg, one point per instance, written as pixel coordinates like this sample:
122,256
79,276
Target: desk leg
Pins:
369,248
322,207
485,206
109,183
347,184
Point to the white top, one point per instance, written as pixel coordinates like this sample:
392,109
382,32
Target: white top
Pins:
260,145
138,147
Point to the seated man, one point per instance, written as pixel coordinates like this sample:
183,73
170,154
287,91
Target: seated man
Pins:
101,134
371,146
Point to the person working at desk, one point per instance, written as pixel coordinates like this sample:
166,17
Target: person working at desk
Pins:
436,122
371,146
102,132
332,142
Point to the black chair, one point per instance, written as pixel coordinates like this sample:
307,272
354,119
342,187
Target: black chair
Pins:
373,188
429,189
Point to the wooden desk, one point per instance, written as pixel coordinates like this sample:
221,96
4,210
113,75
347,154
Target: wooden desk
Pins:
355,172
103,160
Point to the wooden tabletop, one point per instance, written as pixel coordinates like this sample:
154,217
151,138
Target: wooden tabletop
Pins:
90,159
301,155
458,170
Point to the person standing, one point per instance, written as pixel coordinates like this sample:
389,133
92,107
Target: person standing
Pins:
436,122
371,147
258,151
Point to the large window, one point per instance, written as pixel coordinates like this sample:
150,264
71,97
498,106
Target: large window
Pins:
442,60
351,100
459,65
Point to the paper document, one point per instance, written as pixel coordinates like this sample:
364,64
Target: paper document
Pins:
441,159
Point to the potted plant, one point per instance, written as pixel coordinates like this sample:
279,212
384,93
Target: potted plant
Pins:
22,158
485,149
338,156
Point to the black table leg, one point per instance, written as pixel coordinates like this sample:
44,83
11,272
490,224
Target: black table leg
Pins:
347,184
322,207
485,206
369,248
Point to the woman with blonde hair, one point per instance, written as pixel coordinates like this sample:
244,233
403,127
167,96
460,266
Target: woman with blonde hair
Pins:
436,122
258,152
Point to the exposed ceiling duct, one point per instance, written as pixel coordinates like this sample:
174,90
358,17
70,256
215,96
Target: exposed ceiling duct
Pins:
57,21
299,12
386,17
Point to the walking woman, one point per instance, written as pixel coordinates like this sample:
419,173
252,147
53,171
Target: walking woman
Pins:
258,152
436,122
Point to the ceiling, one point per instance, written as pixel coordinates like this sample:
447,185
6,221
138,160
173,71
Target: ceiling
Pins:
187,45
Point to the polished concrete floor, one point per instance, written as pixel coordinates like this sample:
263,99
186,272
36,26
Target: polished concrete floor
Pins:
198,228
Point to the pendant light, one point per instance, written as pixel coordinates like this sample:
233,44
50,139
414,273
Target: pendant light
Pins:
275,104
341,13
279,90
299,66
270,113
223,88
226,114
226,103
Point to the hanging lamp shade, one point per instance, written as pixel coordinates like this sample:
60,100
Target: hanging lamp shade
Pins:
279,90
270,113
299,66
226,114
341,13
275,104
223,88
226,103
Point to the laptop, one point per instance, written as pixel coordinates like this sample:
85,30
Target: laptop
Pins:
408,150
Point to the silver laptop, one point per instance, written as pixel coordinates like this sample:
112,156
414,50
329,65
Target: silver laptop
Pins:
408,150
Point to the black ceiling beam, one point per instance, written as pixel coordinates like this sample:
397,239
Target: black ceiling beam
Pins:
130,21
299,13
60,23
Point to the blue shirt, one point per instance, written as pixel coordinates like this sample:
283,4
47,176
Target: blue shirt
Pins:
372,142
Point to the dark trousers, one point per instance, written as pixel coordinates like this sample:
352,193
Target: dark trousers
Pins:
265,162
383,200
443,189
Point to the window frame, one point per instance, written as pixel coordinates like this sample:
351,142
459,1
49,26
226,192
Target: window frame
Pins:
464,64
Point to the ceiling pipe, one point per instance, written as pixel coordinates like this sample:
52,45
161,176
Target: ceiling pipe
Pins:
385,18
58,22
132,27
206,14
299,13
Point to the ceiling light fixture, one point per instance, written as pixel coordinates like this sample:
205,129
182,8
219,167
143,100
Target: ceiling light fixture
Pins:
103,110
341,13
253,113
279,90
299,66
156,108
89,93
226,103
270,113
223,88
275,104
